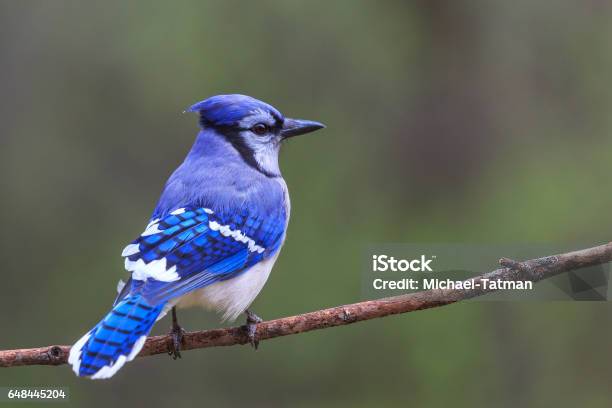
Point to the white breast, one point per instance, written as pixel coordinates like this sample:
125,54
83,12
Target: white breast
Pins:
233,296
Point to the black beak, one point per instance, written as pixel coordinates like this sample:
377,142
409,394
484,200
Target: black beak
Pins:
296,127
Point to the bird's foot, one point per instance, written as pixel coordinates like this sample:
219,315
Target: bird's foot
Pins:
251,328
177,340
176,332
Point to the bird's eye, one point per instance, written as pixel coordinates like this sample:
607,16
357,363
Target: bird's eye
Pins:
259,129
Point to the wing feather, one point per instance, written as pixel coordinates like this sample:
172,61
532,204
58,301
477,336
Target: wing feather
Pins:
194,247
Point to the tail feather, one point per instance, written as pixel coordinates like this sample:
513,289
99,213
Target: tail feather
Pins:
118,338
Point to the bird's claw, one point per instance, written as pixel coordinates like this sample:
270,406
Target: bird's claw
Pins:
174,349
251,328
177,340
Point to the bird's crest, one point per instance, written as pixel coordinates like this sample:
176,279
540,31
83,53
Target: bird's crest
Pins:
229,110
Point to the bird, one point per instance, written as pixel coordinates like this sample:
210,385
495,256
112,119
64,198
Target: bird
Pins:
211,240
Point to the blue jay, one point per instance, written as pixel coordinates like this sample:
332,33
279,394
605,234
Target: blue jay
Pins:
213,237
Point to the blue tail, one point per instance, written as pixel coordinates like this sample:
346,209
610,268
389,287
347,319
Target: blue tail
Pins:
118,338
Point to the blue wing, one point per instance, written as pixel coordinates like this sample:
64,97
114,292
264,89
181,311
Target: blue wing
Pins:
190,248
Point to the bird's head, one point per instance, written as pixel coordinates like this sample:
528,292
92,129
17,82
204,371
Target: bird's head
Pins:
253,127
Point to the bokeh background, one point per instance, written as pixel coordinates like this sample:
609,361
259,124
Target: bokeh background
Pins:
448,121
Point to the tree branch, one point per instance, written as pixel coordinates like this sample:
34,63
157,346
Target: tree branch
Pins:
533,270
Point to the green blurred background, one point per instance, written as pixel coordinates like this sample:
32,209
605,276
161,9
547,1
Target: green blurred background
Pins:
448,121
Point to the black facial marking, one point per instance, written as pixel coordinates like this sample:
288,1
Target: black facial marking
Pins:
232,134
